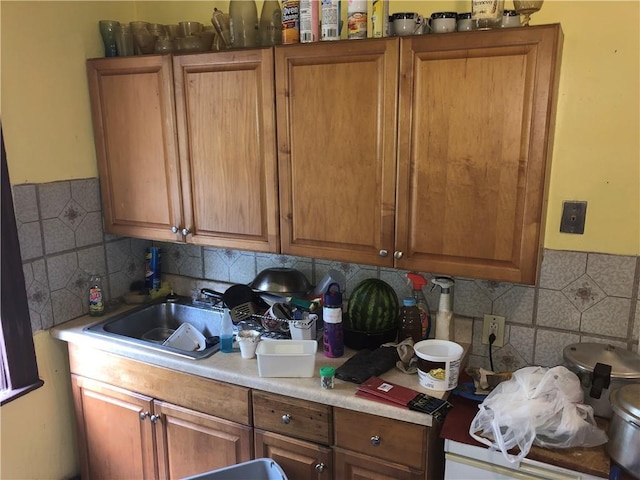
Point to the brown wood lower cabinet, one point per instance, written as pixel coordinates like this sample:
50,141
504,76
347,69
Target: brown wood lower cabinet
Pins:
123,434
350,465
300,460
143,434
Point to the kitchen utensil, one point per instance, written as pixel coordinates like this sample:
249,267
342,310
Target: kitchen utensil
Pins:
301,303
601,368
282,281
624,428
239,299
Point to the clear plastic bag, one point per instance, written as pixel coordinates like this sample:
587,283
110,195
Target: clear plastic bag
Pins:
538,405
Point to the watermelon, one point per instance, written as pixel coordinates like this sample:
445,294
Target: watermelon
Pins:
373,307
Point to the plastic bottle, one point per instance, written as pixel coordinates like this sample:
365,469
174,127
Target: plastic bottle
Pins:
270,26
444,314
380,18
309,21
333,337
356,19
417,281
226,333
330,19
96,298
290,21
410,324
243,20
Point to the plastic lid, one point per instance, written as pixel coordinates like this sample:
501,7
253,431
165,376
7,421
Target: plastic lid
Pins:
409,302
625,401
333,297
624,364
327,371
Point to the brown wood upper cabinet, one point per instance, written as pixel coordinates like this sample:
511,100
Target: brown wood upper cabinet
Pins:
427,153
186,147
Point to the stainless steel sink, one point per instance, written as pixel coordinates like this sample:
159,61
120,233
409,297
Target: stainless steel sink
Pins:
149,325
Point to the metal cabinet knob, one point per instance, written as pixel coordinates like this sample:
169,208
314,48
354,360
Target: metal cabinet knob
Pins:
286,419
144,415
384,253
375,440
154,418
185,232
175,229
320,467
398,255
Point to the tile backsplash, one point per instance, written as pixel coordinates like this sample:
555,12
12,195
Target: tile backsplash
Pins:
580,297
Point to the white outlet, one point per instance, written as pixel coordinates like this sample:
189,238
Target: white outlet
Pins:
493,324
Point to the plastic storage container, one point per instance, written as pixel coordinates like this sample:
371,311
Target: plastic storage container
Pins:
286,358
410,324
438,364
259,469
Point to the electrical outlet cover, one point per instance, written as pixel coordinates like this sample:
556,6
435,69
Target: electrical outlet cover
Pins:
498,322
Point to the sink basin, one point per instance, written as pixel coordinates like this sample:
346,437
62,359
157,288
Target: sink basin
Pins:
149,325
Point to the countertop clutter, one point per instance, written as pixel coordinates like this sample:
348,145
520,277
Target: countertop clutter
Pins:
232,368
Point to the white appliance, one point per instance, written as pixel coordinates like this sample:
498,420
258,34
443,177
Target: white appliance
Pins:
465,462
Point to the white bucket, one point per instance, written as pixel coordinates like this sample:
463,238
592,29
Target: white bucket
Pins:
438,364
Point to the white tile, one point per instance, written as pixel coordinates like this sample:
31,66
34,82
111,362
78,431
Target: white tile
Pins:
555,310
613,273
560,268
609,317
516,305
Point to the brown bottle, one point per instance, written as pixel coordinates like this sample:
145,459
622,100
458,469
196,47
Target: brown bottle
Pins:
410,321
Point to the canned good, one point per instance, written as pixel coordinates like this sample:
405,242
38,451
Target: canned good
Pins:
291,21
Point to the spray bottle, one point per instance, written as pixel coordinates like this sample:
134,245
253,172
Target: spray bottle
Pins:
417,281
445,313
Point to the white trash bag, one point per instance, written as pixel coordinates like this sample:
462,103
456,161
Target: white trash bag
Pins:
538,405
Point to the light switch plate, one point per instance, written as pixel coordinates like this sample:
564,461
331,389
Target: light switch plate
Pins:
573,217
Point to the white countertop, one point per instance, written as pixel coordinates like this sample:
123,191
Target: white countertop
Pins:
232,368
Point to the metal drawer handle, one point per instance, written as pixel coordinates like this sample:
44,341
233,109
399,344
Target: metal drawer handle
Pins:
398,255
383,253
286,419
185,232
154,418
375,440
320,467
144,415
175,229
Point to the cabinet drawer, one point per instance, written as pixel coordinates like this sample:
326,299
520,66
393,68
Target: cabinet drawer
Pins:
292,417
380,437
204,395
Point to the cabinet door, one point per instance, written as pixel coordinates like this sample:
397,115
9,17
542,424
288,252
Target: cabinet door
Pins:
134,127
476,127
191,442
355,466
226,132
300,460
336,113
115,441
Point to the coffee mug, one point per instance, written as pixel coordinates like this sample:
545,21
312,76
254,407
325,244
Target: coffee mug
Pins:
443,22
407,23
465,22
510,18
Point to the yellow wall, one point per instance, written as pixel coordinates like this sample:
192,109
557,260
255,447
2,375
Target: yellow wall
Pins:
37,433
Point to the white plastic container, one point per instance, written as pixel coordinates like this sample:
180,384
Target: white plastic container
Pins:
438,364
304,329
286,358
187,338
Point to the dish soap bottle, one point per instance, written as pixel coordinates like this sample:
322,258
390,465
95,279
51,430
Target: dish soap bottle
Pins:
96,298
445,314
333,335
417,281
410,323
226,333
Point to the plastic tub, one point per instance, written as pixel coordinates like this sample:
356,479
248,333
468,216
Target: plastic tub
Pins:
187,338
286,358
259,469
438,364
